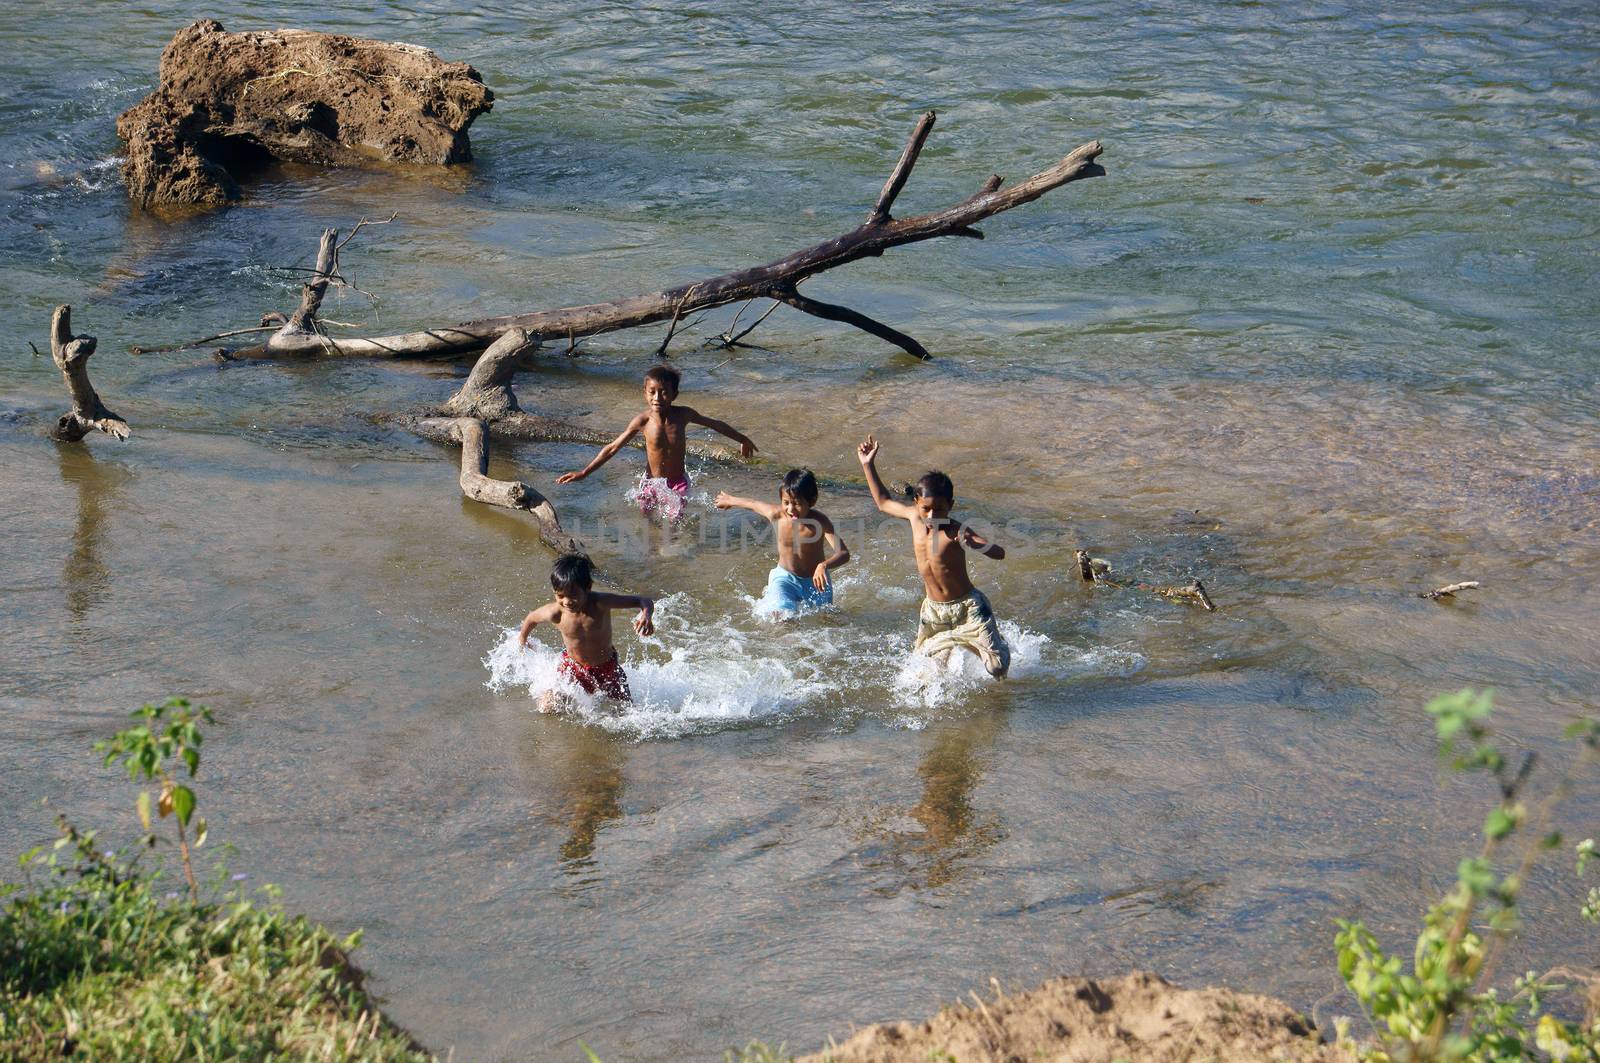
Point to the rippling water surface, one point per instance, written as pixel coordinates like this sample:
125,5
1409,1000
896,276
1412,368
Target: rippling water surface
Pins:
1324,336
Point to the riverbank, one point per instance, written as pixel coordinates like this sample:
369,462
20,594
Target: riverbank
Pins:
100,960
1140,1017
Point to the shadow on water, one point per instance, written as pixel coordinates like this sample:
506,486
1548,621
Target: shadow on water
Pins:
934,842
590,778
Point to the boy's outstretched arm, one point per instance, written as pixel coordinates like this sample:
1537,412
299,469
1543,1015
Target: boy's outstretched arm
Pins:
644,623
607,452
746,448
868,453
765,509
973,541
545,614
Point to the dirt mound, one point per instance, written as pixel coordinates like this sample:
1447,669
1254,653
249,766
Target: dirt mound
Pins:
229,103
1140,1017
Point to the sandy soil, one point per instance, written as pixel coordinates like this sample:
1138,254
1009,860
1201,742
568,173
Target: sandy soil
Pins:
1140,1017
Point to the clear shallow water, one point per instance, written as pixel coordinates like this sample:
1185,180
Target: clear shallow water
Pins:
1324,336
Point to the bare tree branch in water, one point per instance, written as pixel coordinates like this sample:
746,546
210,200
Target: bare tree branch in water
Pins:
71,355
485,405
877,234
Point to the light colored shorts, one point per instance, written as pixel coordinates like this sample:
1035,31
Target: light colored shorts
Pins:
966,624
788,594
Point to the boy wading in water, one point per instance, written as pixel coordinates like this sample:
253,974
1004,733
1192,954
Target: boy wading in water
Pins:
801,579
665,429
584,619
955,614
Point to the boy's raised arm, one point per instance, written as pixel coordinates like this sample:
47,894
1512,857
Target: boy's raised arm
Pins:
765,509
644,623
607,452
545,614
868,453
746,448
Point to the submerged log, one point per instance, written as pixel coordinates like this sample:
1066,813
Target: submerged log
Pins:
230,103
776,280
71,355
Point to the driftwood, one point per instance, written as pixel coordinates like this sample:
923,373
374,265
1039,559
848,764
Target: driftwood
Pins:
486,404
477,485
1193,591
777,280
71,355
1097,570
1091,569
1449,591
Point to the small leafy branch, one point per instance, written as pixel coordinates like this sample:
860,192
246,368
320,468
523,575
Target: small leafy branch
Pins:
1446,1007
152,750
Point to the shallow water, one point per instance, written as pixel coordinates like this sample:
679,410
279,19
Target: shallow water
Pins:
1324,336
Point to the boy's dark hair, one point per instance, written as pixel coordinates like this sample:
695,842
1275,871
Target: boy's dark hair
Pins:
664,375
935,485
800,483
572,570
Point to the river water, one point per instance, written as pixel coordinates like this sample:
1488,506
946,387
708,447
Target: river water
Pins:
1325,336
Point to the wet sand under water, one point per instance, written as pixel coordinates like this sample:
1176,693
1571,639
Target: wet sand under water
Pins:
793,830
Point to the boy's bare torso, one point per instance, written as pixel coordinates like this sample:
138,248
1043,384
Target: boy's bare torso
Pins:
586,632
941,559
666,442
802,542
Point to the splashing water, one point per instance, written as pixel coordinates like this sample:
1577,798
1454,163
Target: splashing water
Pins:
699,674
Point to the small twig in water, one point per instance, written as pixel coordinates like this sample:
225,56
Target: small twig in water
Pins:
1450,591
136,349
730,340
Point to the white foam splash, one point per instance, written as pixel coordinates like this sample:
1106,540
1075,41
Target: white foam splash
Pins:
699,673
700,684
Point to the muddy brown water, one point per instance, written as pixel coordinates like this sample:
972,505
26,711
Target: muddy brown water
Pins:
1377,380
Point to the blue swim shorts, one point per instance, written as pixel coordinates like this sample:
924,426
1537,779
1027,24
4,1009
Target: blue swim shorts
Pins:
788,594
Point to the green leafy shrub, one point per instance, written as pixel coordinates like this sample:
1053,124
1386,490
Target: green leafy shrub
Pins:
100,960
1446,1006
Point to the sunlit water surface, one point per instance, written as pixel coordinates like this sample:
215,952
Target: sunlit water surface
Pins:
1324,337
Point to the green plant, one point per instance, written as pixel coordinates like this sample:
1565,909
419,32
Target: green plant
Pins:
1446,1006
100,960
170,733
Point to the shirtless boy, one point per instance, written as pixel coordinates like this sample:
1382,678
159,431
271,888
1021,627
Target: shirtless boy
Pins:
665,427
955,614
808,547
583,617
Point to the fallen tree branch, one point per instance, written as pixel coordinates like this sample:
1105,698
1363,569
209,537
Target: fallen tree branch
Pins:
873,237
71,355
476,484
830,312
1450,591
729,339
300,329
137,349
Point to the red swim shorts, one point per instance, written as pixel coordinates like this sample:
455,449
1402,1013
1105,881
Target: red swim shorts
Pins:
608,679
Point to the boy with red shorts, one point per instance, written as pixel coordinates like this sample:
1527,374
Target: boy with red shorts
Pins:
583,617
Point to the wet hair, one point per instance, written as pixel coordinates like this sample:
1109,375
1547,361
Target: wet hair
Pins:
572,571
800,483
664,375
934,485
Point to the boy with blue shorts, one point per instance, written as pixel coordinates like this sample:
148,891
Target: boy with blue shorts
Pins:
808,547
